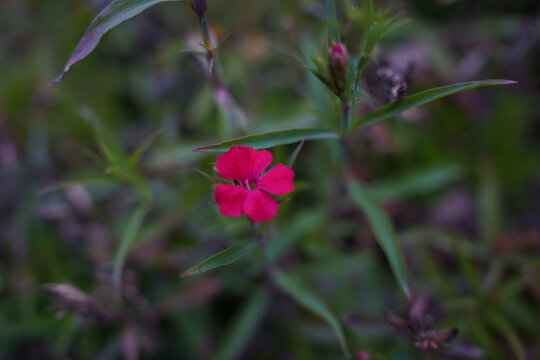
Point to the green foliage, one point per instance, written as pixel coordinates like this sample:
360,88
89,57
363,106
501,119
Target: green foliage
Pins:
312,303
383,232
118,167
332,23
409,102
129,233
458,180
271,139
243,327
225,257
112,15
373,24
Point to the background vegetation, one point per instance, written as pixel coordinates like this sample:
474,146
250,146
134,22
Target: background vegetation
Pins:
459,179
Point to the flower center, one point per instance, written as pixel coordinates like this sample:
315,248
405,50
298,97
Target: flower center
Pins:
250,185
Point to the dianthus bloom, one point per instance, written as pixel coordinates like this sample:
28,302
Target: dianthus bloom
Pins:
250,192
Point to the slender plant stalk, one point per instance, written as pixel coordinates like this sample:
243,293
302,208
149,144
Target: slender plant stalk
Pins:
221,93
346,107
204,29
362,60
262,238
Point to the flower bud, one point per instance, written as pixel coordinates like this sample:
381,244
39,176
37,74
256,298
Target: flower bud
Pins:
338,62
338,56
362,355
199,6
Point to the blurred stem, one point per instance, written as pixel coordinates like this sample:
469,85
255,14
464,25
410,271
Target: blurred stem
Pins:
261,231
362,60
493,276
204,30
222,96
489,205
346,107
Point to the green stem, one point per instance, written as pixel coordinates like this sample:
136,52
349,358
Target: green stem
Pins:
262,238
224,99
205,32
346,107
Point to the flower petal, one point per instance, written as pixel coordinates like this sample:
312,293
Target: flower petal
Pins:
277,181
260,160
259,206
230,199
235,163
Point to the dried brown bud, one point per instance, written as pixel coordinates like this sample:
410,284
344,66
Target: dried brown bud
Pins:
420,327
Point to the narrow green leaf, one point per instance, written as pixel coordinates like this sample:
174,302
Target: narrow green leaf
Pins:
94,157
374,24
489,202
292,157
469,269
117,161
332,23
311,302
225,257
110,147
271,139
139,151
129,234
210,178
384,233
508,333
113,14
485,338
421,98
244,326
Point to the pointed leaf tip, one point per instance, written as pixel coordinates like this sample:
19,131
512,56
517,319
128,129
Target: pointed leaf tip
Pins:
423,97
112,15
383,231
225,257
313,303
271,139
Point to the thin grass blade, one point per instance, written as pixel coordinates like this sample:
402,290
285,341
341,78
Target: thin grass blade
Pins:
225,257
383,231
421,98
271,139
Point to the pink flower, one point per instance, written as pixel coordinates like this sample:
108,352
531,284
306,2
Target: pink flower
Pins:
250,194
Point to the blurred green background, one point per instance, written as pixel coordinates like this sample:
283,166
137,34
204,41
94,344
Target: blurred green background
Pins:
460,179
